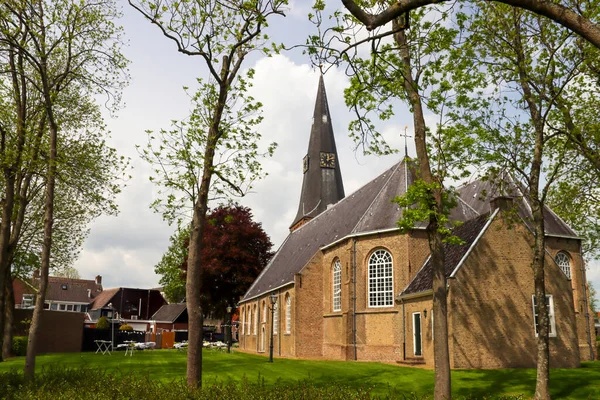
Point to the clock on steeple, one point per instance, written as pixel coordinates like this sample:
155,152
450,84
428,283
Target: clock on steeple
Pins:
327,160
305,164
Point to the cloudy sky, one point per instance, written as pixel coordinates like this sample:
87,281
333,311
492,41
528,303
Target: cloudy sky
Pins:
125,249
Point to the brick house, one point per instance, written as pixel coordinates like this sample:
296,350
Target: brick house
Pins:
349,286
64,294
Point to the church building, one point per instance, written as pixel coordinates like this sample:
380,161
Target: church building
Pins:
347,285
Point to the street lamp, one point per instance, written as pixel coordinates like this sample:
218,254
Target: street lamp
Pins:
229,329
273,299
112,327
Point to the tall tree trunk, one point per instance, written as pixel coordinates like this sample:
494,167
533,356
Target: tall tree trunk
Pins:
9,313
443,388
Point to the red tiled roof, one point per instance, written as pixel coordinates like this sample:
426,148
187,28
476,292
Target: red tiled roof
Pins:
104,298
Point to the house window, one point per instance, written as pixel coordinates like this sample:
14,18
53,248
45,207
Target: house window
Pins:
62,307
249,320
27,301
550,304
381,283
54,306
563,260
255,322
288,314
337,285
275,319
69,307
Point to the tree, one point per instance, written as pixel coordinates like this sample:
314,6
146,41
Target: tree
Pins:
418,67
169,268
222,34
569,16
67,48
527,132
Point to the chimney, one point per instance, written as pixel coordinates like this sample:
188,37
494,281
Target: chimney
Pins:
504,203
89,293
98,280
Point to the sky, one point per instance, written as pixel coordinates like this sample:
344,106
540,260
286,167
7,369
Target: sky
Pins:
125,249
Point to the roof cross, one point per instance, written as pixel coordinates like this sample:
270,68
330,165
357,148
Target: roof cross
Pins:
405,136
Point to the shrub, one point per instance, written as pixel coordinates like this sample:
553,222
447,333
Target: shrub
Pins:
102,323
19,346
126,327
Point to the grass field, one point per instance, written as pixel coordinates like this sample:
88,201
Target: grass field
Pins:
382,379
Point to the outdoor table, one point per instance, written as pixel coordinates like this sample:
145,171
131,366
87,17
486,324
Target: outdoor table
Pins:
104,346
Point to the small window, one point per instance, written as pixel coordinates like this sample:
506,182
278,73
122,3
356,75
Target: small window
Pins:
563,260
63,286
288,314
550,304
54,306
62,307
46,306
381,281
337,285
69,307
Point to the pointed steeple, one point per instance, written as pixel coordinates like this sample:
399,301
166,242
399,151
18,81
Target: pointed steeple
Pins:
322,184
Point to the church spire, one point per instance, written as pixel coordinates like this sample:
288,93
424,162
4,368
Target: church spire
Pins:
322,183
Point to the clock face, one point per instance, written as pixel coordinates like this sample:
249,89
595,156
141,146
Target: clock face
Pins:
327,160
305,164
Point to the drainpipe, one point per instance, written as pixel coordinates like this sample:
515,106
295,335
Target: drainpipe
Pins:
354,297
403,331
585,305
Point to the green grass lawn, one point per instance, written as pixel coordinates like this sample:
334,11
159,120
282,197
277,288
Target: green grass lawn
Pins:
384,379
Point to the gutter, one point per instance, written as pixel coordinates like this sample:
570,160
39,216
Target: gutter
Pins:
356,235
266,291
409,296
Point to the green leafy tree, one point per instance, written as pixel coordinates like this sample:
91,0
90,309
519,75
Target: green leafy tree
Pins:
66,48
418,66
535,72
169,268
222,34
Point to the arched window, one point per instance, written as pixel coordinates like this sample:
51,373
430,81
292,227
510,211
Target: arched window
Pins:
264,318
243,319
254,329
249,320
337,285
288,314
381,281
275,319
564,262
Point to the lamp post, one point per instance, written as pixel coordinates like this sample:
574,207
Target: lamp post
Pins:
112,327
273,299
229,329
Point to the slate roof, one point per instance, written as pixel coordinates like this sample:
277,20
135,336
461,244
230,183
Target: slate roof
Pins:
468,232
76,290
477,195
320,186
369,208
169,312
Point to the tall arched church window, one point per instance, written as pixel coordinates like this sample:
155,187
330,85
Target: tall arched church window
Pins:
249,320
564,262
243,320
255,326
288,314
264,316
337,285
276,319
381,280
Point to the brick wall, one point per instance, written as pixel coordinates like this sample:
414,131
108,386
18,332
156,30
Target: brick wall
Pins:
60,332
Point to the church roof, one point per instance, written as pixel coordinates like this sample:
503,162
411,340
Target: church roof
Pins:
321,186
477,195
368,209
468,232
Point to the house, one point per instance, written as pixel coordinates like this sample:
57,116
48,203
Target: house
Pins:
348,285
130,305
64,294
171,317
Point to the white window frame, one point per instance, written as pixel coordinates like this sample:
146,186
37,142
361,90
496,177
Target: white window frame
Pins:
27,300
563,260
415,334
380,279
552,326
337,285
288,314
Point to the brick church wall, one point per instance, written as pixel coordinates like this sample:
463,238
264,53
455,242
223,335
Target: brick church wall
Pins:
490,303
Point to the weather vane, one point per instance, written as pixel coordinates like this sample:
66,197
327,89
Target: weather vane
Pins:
405,136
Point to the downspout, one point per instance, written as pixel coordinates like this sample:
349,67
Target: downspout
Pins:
354,297
403,331
585,305
279,331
